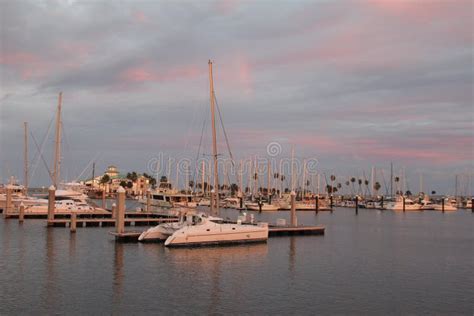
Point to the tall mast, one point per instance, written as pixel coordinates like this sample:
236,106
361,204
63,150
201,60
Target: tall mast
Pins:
391,179
292,169
203,175
57,150
214,141
268,177
25,180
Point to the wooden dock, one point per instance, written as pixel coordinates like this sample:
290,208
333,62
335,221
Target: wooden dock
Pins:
110,222
275,231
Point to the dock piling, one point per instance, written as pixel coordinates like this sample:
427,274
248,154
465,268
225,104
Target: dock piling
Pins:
51,201
114,210
403,203
331,201
73,223
442,205
21,216
381,203
357,205
103,199
294,221
8,201
120,218
316,202
148,200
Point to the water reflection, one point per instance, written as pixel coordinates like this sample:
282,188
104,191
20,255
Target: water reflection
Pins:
50,278
211,266
292,256
118,274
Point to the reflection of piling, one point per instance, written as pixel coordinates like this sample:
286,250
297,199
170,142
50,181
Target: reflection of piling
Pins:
51,201
442,205
316,204
148,200
114,210
357,205
294,221
120,218
8,202
21,216
73,222
403,203
103,199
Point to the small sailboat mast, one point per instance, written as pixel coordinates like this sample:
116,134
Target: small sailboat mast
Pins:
25,153
57,150
215,201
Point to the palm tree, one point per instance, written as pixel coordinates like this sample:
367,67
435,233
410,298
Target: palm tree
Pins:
377,187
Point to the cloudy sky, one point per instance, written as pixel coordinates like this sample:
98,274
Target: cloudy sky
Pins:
353,83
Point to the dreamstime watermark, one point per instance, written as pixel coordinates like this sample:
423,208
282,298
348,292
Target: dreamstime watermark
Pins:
250,168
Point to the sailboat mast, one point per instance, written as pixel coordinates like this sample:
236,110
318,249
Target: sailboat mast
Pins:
214,141
25,180
203,175
57,150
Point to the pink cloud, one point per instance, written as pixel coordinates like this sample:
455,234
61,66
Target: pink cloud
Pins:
28,65
227,6
146,73
140,17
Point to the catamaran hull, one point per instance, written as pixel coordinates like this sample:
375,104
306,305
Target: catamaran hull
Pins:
183,239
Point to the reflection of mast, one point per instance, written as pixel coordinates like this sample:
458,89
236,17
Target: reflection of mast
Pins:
292,254
57,150
215,201
118,274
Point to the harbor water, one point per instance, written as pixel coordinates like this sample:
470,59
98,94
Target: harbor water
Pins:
376,262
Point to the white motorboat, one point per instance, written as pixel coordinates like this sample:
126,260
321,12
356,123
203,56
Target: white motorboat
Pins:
204,202
265,207
398,205
449,205
200,230
162,231
427,205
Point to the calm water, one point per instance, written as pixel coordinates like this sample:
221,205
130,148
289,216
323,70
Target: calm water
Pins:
373,263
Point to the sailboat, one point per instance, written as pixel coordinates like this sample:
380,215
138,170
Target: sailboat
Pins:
69,199
200,230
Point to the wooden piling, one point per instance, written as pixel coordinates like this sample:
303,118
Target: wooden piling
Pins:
316,202
331,201
403,203
381,203
103,199
8,201
442,205
73,222
357,205
120,218
294,221
114,210
148,200
51,201
21,216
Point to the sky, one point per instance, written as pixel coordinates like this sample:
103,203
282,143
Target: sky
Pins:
351,84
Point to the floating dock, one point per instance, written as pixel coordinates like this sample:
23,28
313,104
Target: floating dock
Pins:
273,231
